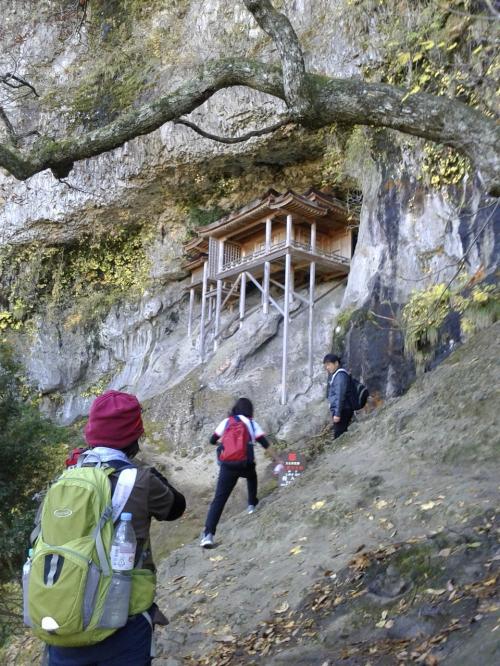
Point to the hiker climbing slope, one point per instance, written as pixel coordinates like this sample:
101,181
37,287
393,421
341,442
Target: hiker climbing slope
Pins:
112,432
340,397
238,434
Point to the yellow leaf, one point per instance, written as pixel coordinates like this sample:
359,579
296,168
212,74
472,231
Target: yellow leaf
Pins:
381,504
437,593
452,46
427,45
404,58
217,558
479,48
318,505
295,550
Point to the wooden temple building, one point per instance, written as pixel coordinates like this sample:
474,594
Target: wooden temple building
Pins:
278,244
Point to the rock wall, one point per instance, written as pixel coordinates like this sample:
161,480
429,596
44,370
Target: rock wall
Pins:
410,233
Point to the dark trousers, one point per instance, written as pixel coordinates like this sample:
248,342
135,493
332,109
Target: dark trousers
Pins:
228,477
128,646
345,419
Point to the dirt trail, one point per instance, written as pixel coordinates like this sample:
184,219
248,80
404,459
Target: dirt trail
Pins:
407,497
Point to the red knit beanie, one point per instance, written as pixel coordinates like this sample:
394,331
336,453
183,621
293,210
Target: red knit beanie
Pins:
114,420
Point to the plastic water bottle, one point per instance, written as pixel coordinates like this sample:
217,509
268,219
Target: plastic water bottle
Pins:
26,580
122,557
123,545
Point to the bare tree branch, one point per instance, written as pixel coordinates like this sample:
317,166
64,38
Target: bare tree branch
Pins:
278,27
315,101
231,140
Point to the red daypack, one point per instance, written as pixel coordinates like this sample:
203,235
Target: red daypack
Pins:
235,439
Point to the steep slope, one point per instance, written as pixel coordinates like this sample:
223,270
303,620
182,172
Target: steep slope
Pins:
385,545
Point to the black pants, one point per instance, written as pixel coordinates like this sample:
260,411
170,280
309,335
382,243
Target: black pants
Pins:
128,646
228,477
345,419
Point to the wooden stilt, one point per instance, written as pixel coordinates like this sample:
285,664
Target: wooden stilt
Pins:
190,316
271,299
203,308
291,288
289,230
218,301
243,289
267,267
286,311
312,281
210,300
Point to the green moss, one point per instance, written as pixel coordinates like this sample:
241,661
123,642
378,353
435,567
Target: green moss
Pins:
345,321
198,217
83,279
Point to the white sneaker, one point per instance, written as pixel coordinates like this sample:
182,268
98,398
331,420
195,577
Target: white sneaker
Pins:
251,508
207,541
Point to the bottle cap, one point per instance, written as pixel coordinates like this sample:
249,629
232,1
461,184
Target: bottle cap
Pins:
126,516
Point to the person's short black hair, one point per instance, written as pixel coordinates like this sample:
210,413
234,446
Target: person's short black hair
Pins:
331,358
132,449
242,407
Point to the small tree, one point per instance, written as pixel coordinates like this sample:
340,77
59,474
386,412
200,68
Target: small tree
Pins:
31,451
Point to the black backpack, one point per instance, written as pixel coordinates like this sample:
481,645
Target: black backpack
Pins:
359,394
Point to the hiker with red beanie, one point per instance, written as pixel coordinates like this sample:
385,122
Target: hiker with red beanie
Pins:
237,434
112,432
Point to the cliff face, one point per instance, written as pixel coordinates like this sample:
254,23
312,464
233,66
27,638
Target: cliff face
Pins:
87,322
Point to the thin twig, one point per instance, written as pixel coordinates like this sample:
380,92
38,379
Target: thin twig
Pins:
461,263
14,81
237,139
461,260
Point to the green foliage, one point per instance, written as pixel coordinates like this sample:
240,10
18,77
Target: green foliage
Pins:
423,317
86,278
427,310
347,159
199,217
10,611
31,450
481,308
442,165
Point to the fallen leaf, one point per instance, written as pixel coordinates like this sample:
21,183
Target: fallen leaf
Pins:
381,504
318,505
437,593
445,552
429,505
216,558
283,608
295,550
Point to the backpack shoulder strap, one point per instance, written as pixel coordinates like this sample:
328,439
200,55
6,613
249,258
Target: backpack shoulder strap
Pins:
336,373
250,427
122,491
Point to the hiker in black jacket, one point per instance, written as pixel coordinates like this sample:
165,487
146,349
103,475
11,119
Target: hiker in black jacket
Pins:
339,394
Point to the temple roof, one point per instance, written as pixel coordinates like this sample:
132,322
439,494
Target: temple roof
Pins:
311,206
